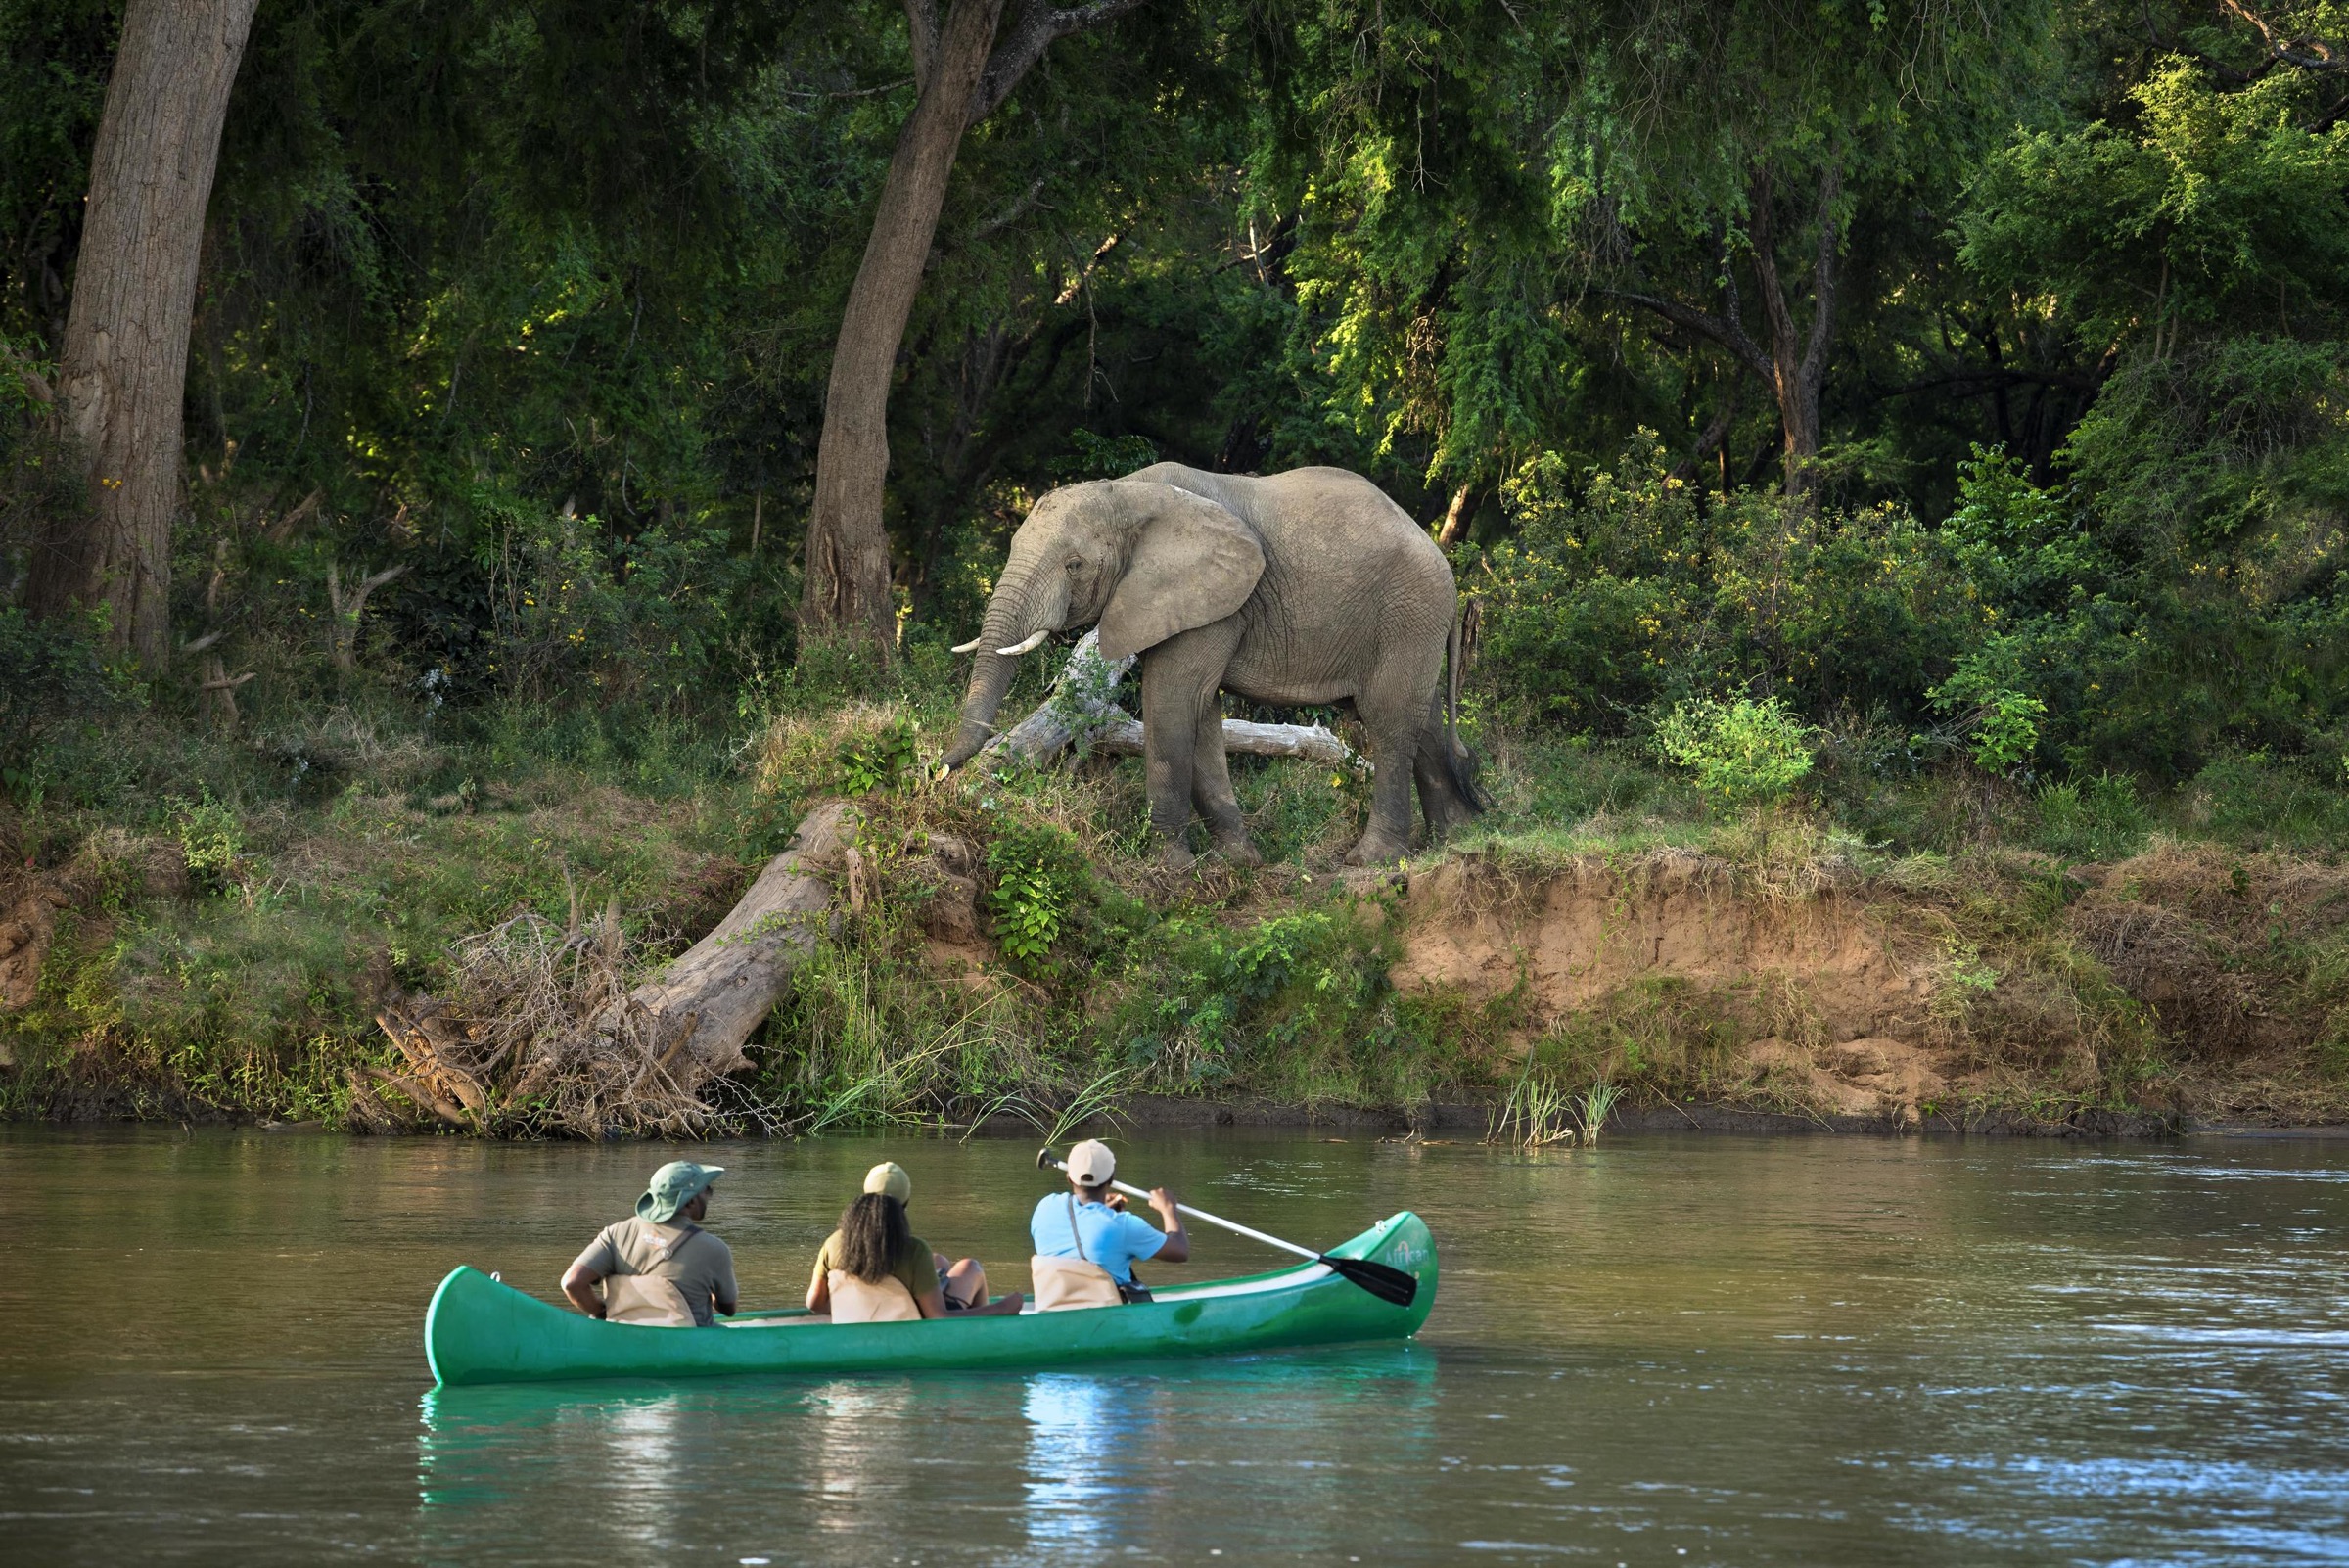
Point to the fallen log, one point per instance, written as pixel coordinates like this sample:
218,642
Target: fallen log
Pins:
1080,701
1123,735
1080,712
539,1032
723,988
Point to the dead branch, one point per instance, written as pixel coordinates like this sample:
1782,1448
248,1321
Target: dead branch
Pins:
1123,736
282,529
1080,697
1081,709
342,624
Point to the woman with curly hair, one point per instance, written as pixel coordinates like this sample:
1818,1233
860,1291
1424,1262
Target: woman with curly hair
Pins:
875,1270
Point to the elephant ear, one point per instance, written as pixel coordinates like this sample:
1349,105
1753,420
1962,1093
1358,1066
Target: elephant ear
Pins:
1194,562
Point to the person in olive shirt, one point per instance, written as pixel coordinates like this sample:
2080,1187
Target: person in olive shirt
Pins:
664,1241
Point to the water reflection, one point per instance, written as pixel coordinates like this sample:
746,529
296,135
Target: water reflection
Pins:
857,1450
646,1465
1074,1461
1047,1467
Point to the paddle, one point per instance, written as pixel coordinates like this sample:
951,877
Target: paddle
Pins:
1391,1285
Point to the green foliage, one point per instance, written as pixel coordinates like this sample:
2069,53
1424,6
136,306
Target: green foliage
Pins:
209,842
1299,999
2002,725
1741,752
1041,881
1095,456
1632,590
2099,818
879,761
52,673
2205,235
865,1039
2258,800
1028,908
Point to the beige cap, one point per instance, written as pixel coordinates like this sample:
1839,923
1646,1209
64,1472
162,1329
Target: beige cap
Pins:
1092,1164
890,1178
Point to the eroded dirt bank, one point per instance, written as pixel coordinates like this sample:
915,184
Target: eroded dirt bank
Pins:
2183,985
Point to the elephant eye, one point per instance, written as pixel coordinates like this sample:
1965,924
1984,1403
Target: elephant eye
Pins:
1076,561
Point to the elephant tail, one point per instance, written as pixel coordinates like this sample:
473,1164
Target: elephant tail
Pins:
1467,621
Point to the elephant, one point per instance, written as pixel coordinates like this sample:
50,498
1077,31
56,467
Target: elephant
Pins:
1304,587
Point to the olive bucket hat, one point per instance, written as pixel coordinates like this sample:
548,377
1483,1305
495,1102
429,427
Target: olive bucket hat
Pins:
674,1185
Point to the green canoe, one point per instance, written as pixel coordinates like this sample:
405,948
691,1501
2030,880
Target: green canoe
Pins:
481,1331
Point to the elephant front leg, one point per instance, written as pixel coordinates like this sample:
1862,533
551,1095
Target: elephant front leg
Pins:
1212,792
1169,763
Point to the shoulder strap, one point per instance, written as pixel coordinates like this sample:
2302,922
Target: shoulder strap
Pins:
668,1249
1076,1235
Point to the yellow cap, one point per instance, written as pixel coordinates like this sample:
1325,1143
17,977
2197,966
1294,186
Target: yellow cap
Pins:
890,1178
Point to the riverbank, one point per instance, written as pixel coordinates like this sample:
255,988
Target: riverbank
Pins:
210,933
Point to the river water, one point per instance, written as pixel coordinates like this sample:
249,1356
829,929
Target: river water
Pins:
1663,1351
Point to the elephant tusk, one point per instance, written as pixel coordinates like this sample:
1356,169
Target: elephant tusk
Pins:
968,647
1034,640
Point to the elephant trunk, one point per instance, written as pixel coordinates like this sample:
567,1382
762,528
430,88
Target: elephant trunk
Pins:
1016,611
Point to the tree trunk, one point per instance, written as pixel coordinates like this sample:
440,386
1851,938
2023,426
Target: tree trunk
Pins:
1454,527
520,1054
1794,367
965,75
721,989
846,584
1799,358
134,291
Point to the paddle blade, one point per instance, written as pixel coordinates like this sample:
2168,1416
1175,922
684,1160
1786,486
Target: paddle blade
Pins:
1390,1285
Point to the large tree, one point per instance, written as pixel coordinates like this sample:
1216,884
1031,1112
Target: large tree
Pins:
964,72
1715,141
124,368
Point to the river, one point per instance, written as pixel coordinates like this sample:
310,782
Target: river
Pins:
1664,1351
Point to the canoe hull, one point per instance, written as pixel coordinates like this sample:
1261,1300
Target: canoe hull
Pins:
481,1331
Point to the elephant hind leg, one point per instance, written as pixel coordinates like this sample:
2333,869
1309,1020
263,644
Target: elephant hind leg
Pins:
1393,741
1394,704
1445,772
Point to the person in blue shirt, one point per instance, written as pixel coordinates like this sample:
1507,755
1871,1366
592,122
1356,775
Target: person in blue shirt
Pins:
1090,1222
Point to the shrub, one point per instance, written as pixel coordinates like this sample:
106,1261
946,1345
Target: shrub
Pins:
210,841
1299,1003
2096,819
1041,883
51,671
1999,723
1741,752
878,760
1630,589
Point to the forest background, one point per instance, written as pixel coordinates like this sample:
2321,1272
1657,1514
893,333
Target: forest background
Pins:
1916,429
